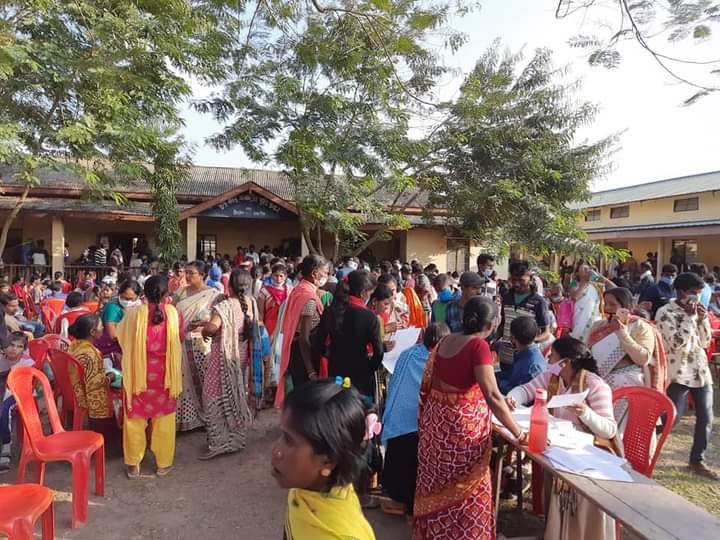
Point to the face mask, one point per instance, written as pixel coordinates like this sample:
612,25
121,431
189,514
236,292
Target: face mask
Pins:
278,282
556,368
487,273
128,303
322,281
556,299
668,279
353,265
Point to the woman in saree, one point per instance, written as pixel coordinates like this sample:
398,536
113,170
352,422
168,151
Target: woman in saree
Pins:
150,336
292,350
572,369
194,303
128,296
628,349
453,498
224,392
587,292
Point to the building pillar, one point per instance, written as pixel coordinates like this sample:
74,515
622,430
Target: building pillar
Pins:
191,239
660,257
556,263
57,245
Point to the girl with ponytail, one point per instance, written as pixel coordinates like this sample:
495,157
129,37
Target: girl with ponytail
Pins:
228,370
150,336
572,369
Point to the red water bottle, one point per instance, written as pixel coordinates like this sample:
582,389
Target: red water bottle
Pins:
537,439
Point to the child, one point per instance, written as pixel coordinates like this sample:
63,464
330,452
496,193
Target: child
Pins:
528,361
14,355
318,456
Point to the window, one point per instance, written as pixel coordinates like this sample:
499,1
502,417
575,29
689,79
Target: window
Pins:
684,253
619,212
458,254
592,215
207,245
686,205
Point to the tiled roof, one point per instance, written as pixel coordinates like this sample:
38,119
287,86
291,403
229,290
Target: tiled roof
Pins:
672,187
79,206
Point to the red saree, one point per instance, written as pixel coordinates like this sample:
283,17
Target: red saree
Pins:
453,498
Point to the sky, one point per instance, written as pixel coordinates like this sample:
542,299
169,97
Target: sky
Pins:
659,138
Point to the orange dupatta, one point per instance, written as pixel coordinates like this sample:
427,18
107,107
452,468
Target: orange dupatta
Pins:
417,317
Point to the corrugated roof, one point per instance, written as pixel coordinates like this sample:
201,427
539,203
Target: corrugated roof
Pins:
671,187
54,204
651,226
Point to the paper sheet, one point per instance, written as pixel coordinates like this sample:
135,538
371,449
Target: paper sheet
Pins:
566,400
404,339
589,461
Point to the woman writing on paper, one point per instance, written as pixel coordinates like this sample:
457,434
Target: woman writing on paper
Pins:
572,369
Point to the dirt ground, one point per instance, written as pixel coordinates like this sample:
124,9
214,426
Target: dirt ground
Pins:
235,496
229,497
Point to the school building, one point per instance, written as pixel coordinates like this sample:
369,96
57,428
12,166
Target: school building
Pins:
220,209
678,218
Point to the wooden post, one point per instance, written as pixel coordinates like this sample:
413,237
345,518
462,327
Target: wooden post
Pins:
57,245
191,239
304,249
660,257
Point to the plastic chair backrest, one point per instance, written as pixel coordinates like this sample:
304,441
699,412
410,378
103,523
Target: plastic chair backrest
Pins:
38,349
644,407
21,383
48,315
60,362
56,305
56,341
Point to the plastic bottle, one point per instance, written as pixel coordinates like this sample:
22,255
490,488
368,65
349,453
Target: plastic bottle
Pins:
537,439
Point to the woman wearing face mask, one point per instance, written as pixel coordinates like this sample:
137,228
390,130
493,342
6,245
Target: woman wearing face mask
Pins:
194,303
272,296
128,296
628,349
398,315
587,290
292,351
573,369
355,349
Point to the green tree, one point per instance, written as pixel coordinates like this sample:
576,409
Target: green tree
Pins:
509,160
327,92
94,86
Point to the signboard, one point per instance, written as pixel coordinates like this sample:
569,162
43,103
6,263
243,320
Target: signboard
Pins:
248,206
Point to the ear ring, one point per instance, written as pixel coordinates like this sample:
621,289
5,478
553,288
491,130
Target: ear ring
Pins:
325,472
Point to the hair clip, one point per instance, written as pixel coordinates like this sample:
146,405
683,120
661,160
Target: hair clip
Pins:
372,426
346,383
338,380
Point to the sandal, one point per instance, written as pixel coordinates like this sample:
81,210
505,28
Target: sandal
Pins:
210,454
164,471
132,471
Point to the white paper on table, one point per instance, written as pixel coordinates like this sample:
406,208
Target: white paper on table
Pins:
404,339
589,461
566,400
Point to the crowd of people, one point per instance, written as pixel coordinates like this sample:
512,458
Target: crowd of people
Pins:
207,344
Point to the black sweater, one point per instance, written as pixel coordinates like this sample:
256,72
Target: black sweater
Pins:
348,351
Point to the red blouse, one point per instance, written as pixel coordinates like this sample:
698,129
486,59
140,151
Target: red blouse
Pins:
458,370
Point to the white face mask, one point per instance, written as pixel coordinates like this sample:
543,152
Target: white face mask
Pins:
129,303
556,368
352,264
278,282
322,281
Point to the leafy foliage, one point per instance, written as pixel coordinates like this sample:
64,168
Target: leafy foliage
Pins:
511,166
94,85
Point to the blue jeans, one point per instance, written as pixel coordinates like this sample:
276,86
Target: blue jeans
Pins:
703,397
36,327
6,420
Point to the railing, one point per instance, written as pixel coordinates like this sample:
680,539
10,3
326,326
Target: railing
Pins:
70,272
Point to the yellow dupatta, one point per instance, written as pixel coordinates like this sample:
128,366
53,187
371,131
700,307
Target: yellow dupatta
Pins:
326,516
132,336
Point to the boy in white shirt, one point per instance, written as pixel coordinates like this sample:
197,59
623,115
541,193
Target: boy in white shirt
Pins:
14,354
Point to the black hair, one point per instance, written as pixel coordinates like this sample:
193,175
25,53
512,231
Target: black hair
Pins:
83,325
669,269
441,281
519,268
225,266
332,420
241,285
622,295
56,286
524,330
688,280
178,266
278,267
381,292
6,298
311,263
576,352
357,283
386,279
434,333
74,299
485,258
156,288
699,268
646,266
478,313
16,336
130,284
386,267
198,265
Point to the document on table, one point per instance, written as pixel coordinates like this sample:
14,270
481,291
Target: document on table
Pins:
566,400
589,461
404,339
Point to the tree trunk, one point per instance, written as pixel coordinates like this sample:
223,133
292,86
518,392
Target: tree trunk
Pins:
374,237
336,246
9,220
308,239
319,243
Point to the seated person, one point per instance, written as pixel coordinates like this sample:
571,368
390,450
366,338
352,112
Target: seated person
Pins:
528,360
14,355
11,308
74,308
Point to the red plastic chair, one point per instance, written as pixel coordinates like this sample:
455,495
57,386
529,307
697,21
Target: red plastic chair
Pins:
56,341
60,362
77,447
38,349
20,508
